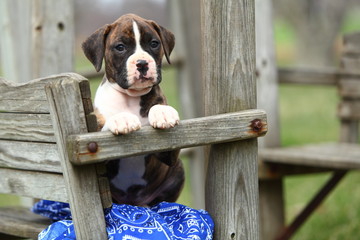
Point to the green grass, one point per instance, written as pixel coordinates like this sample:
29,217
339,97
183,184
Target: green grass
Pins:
308,115
8,200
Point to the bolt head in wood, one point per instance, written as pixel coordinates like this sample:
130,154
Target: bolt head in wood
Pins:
92,147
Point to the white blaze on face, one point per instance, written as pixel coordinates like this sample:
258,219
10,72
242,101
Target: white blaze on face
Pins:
135,79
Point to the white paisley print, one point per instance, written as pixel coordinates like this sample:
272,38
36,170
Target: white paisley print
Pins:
164,221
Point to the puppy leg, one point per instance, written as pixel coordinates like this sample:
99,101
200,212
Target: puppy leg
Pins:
122,123
163,116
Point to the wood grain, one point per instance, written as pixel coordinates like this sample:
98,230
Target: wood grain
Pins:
33,184
21,222
189,133
351,45
27,97
272,217
53,37
228,67
26,127
348,110
81,181
29,156
326,155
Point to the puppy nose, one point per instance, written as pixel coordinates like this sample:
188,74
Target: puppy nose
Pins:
142,66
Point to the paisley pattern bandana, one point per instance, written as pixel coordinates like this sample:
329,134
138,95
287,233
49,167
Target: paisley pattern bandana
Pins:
164,221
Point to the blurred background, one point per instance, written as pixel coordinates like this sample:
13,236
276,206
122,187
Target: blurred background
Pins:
307,33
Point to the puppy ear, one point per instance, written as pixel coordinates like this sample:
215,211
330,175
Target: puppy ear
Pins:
94,46
167,39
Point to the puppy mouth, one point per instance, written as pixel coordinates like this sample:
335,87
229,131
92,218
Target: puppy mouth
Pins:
140,88
138,91
143,79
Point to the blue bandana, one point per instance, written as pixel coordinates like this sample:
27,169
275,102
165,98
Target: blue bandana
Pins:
164,221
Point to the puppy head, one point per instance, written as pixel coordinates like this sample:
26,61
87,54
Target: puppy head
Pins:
132,48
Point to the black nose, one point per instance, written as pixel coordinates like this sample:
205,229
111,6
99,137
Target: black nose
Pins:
142,66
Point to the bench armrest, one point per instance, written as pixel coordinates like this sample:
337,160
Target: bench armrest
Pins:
101,146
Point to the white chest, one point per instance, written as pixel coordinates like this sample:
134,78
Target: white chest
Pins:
110,101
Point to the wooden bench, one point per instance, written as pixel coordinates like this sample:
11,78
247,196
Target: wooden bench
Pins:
48,150
338,157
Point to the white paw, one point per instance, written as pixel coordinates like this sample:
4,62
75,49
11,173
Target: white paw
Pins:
122,123
163,116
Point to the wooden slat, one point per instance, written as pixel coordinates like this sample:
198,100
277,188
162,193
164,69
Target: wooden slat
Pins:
26,127
308,76
349,88
29,156
351,62
328,155
49,186
81,181
271,204
28,97
351,45
21,222
322,76
268,170
189,133
349,110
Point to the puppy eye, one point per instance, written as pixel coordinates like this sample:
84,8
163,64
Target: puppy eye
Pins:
154,44
120,47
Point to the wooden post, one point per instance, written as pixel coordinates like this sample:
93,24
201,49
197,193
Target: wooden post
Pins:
37,38
349,91
52,37
271,190
15,32
81,181
185,23
228,40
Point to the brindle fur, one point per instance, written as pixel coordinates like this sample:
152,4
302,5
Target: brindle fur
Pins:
164,172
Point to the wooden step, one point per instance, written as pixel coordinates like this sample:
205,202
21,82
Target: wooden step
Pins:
21,222
325,155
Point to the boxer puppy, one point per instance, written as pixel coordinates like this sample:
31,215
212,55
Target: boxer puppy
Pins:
130,97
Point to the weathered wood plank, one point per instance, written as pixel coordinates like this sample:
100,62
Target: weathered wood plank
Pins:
351,63
349,110
350,43
272,217
189,133
314,76
53,37
350,121
188,49
267,74
15,45
26,127
21,222
29,97
228,67
81,181
328,155
29,156
349,88
49,186
324,76
268,171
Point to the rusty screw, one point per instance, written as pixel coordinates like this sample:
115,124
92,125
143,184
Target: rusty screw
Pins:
92,147
256,125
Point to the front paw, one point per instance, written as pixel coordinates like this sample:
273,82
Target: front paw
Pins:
163,116
122,123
